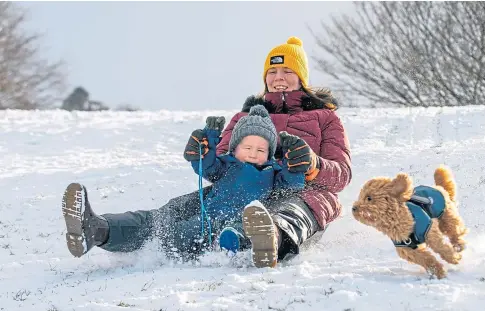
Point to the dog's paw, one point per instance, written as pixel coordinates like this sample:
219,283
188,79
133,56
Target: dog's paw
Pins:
459,247
438,271
455,259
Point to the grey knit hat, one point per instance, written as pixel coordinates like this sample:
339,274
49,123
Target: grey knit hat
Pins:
258,123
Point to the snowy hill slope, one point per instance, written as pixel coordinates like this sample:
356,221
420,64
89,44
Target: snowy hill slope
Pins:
132,161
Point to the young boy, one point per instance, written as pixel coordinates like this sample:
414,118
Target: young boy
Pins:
246,173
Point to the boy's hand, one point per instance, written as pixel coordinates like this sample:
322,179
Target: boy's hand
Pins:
301,157
192,151
215,123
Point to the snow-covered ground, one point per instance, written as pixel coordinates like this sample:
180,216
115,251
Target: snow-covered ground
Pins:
132,161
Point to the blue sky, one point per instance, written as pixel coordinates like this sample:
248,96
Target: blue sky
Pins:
174,55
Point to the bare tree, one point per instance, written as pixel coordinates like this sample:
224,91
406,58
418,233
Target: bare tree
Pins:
408,53
27,81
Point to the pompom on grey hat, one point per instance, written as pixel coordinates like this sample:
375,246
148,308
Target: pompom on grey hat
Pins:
258,123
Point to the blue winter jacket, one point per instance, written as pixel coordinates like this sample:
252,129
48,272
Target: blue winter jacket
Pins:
236,184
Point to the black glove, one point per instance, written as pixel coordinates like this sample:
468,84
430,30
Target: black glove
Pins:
301,157
214,127
215,123
192,150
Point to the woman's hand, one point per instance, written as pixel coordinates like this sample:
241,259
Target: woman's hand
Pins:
301,157
212,130
192,150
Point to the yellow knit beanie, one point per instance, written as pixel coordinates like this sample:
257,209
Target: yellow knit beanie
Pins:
290,55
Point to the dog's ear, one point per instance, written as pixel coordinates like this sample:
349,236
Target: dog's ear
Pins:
401,187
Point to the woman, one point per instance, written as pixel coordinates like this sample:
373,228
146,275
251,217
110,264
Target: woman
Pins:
293,218
295,108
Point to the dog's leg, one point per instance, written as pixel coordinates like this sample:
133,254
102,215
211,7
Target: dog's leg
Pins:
435,240
424,258
452,225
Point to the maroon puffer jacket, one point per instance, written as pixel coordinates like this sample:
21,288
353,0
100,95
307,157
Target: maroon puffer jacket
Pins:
299,114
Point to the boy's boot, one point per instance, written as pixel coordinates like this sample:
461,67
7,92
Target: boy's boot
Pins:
263,233
233,240
85,229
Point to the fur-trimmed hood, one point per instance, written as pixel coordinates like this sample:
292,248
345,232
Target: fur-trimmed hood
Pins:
292,101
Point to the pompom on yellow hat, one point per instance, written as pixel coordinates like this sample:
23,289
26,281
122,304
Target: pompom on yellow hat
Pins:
290,55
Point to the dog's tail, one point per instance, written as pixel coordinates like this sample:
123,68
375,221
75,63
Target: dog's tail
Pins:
444,178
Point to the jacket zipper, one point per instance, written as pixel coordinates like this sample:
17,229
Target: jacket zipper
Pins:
283,98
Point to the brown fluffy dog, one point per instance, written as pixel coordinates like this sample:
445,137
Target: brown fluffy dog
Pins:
384,204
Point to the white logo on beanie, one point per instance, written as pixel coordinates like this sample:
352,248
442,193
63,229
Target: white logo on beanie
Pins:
277,60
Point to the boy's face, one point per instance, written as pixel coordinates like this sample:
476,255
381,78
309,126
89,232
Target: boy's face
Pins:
252,149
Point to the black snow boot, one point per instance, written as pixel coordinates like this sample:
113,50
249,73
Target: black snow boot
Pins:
85,229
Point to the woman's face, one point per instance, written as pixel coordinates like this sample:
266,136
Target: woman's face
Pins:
282,79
